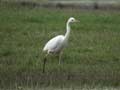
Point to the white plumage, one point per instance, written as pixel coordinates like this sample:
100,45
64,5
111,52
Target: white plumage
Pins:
56,44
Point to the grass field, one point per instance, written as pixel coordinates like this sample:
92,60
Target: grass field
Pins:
92,57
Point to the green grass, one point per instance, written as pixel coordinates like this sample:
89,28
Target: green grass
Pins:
92,57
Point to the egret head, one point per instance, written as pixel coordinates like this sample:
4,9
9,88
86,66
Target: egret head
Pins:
72,20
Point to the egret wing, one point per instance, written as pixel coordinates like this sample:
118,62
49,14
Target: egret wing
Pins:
55,44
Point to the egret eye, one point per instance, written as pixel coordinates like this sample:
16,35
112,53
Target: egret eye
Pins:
72,20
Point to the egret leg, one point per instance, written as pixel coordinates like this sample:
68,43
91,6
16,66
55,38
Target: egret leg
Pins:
44,62
60,55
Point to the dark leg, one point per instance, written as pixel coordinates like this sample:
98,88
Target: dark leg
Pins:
44,62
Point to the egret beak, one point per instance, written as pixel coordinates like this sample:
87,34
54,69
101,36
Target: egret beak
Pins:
77,21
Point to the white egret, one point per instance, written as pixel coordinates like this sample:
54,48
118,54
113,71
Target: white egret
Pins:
56,44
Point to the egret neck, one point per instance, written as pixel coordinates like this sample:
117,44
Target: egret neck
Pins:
67,31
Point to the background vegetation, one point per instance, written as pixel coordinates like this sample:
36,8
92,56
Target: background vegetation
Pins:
92,57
